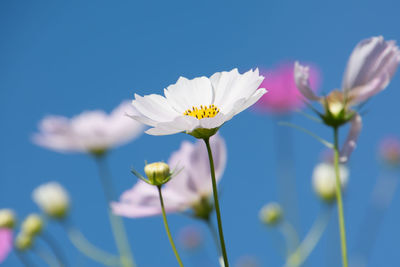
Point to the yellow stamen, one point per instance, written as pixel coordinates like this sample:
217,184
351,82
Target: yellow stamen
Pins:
202,112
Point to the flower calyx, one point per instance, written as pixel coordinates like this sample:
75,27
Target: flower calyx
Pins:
337,111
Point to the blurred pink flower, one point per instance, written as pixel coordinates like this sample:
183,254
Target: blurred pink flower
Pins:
190,237
389,150
186,190
6,243
369,70
90,131
283,95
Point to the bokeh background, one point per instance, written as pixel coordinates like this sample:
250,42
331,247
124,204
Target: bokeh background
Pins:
63,57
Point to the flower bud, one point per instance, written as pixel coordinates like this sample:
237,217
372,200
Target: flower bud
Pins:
271,213
158,173
23,241
324,180
32,225
52,199
7,218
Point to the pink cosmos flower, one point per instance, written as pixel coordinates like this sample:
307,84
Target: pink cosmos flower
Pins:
283,95
6,243
90,131
369,70
186,190
389,150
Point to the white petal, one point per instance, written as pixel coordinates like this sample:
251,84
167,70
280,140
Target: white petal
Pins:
179,124
185,94
350,143
154,107
251,100
301,77
370,68
231,86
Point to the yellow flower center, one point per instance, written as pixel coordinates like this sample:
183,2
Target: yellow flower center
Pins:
202,112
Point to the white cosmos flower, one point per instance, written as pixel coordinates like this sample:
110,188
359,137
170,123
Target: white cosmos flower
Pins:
324,180
201,105
188,189
90,131
369,70
52,199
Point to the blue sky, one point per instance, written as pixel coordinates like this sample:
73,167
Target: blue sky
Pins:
65,57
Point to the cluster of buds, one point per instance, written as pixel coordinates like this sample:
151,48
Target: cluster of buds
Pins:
30,228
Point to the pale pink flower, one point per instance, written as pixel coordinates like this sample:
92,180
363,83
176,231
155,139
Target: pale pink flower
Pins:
283,96
6,243
90,131
389,150
369,70
190,186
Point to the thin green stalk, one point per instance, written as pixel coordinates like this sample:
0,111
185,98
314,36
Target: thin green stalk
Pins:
216,202
167,227
117,224
298,257
291,237
216,240
342,226
24,260
55,248
88,249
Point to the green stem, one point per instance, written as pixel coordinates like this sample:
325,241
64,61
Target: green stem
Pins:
216,202
55,248
167,227
88,249
342,226
302,252
117,224
291,237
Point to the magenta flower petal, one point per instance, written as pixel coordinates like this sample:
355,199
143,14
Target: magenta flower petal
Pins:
350,143
6,243
283,95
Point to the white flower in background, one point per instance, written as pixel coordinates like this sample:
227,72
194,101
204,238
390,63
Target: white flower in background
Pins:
369,70
91,131
189,189
199,106
271,213
52,199
324,180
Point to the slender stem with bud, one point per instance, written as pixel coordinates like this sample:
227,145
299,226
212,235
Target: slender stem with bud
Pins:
167,227
216,202
342,226
117,224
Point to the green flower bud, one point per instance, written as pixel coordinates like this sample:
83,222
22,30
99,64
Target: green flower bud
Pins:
158,173
271,214
23,241
7,218
32,225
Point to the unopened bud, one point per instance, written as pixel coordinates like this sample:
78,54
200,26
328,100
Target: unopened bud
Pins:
7,218
23,241
271,213
158,173
52,199
32,225
324,180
